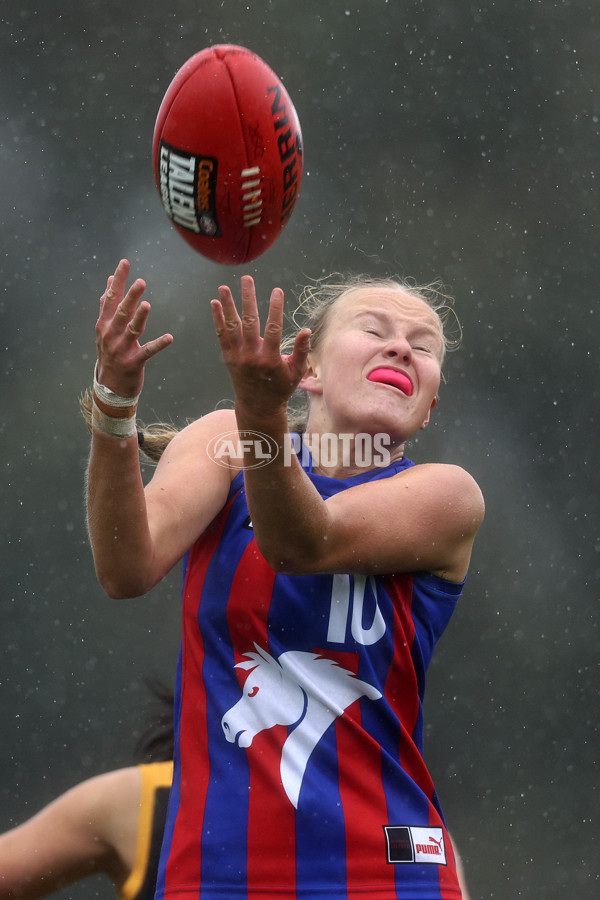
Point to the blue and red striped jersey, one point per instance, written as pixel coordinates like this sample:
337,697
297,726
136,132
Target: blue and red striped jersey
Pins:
299,767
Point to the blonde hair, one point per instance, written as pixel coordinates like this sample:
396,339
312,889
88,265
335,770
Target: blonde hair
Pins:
317,300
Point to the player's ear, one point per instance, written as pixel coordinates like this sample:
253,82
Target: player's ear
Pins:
428,416
311,380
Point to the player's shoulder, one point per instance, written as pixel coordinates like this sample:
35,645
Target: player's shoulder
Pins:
212,423
449,472
450,482
209,445
202,431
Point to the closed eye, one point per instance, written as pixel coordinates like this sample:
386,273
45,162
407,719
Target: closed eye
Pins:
424,341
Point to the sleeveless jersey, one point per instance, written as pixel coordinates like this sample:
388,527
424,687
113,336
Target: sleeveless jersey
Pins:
156,784
299,770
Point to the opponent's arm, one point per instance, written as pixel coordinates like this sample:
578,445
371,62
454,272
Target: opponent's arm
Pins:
91,828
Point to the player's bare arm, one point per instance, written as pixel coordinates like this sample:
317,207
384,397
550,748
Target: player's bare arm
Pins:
424,519
117,520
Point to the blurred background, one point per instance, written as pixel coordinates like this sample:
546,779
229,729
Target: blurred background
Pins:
457,140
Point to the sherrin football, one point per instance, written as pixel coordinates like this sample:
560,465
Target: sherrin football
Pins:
227,152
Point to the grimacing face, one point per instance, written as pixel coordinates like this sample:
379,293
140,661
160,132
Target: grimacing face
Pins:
376,330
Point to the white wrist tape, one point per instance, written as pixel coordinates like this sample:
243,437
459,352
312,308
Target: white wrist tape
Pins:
121,428
111,399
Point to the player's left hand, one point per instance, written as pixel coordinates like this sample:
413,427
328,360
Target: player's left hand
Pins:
263,378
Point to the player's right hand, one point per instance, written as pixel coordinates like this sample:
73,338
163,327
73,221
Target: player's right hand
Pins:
119,329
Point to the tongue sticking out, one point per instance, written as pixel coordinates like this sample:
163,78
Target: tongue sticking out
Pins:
392,377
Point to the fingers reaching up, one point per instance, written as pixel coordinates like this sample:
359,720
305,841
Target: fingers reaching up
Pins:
121,324
259,372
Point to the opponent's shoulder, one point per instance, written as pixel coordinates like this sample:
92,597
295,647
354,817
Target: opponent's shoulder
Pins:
112,802
157,774
110,790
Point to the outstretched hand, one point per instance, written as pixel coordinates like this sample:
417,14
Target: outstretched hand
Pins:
119,329
263,378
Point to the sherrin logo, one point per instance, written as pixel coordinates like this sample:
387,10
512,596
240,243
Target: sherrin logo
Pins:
227,448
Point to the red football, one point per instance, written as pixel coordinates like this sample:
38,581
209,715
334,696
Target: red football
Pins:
227,154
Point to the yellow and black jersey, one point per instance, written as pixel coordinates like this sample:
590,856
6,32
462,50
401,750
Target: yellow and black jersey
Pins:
156,784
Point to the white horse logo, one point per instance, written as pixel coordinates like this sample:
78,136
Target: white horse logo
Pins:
300,689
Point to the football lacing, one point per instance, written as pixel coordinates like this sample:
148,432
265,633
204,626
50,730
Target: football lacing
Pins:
251,196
